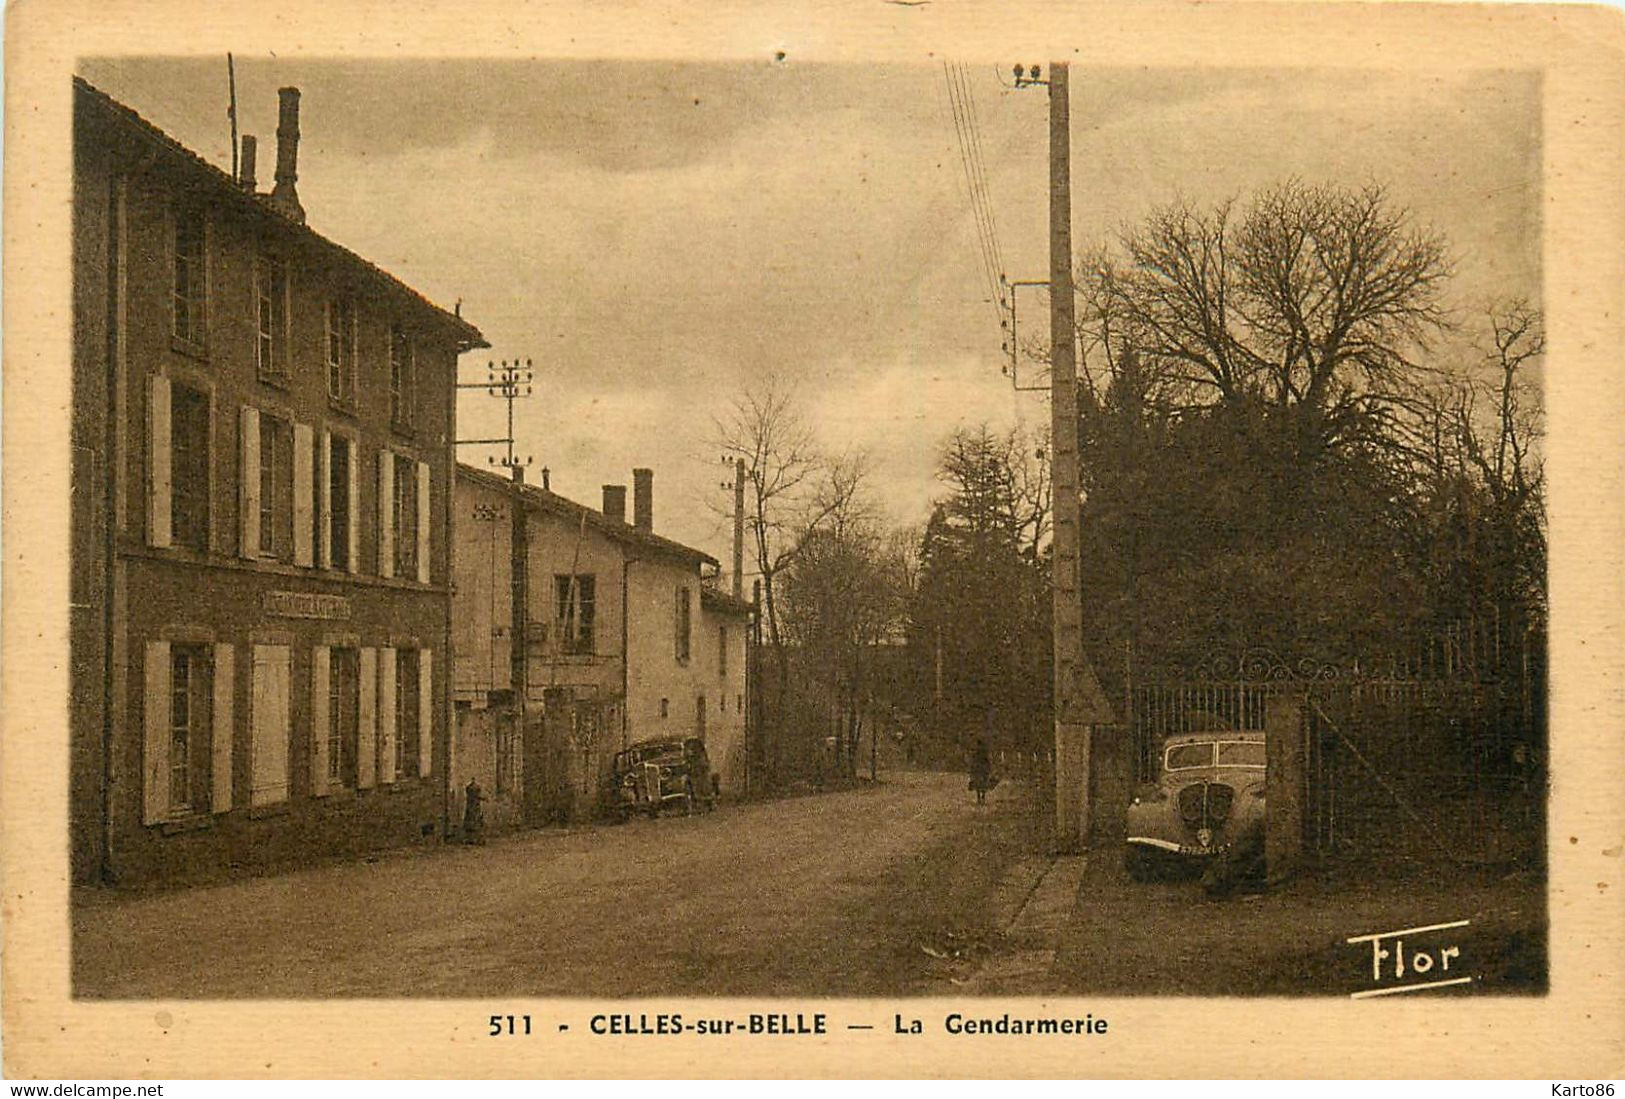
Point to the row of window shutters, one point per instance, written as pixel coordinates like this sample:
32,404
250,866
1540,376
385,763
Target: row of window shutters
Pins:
308,549
270,725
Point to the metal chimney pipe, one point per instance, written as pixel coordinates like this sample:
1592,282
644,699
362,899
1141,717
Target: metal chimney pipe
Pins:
643,499
284,195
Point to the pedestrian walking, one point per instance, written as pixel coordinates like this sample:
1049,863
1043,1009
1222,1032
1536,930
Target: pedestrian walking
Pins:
981,770
473,813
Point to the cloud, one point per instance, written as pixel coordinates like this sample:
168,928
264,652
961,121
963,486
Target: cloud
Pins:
652,254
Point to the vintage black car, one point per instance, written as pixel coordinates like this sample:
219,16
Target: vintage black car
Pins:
1207,801
666,772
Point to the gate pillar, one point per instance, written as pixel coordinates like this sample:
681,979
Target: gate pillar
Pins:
1285,785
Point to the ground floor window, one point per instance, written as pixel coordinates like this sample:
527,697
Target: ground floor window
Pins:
343,715
406,713
191,691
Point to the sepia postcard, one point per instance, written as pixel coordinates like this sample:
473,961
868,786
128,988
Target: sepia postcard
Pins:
887,539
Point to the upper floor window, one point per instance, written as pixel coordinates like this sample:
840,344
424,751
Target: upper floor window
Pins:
341,351
684,618
722,656
270,316
189,467
576,599
339,476
276,487
189,283
402,395
405,507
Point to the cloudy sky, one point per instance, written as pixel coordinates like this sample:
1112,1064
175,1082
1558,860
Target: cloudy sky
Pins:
656,235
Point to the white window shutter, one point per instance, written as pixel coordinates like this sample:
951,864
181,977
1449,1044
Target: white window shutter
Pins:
425,712
320,667
155,757
353,488
159,454
303,443
248,494
225,725
270,724
386,513
366,750
386,716
324,486
423,522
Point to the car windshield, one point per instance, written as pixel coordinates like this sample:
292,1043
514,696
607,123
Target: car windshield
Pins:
650,753
1241,753
1180,757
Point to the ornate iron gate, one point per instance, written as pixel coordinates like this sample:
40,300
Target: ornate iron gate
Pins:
1228,692
1410,766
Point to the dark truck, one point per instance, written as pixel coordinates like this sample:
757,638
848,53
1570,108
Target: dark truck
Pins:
653,774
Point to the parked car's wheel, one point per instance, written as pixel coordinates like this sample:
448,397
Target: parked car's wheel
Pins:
1138,864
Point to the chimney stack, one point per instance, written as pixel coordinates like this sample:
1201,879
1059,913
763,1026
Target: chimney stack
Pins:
245,178
615,503
643,499
284,196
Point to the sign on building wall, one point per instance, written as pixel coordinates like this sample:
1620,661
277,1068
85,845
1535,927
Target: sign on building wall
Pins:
301,604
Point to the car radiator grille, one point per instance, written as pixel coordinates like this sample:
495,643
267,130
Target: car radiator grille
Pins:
1205,804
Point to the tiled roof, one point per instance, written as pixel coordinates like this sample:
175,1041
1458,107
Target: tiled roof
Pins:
719,600
621,532
89,94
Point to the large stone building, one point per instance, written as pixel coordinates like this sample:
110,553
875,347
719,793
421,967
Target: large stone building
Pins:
262,438
578,633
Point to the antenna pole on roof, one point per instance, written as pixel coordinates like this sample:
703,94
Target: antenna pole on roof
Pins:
231,112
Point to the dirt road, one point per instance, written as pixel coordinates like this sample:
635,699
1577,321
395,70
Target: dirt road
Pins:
826,894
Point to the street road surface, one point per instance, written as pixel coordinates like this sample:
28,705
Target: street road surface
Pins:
828,894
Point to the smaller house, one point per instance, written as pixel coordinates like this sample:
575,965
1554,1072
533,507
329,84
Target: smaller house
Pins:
575,634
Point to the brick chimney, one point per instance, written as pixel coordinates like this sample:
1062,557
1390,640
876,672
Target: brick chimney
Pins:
643,499
284,196
615,503
245,174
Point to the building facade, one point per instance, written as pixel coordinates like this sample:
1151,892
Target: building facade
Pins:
577,634
262,438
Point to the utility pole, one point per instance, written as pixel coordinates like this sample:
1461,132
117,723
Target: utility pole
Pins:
1078,701
739,528
511,382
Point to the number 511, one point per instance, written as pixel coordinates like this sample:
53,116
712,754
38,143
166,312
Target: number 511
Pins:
509,1024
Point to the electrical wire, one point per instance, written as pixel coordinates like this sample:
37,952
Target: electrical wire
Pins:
979,160
981,212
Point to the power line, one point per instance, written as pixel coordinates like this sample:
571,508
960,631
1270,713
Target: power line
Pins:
978,176
984,237
980,162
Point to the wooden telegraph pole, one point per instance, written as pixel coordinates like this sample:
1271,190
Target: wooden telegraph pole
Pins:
1079,702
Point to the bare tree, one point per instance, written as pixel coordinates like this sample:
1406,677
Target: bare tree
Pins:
1314,299
1494,426
793,490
